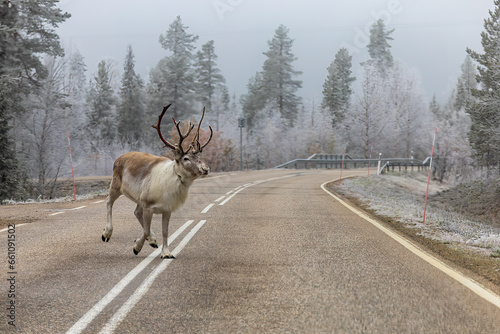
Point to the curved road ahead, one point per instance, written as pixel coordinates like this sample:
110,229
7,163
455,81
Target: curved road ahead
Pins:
257,252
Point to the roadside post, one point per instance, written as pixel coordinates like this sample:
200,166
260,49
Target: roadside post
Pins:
242,122
72,173
379,160
342,165
429,175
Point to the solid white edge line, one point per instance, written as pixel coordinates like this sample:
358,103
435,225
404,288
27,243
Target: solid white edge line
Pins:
207,208
87,318
98,201
80,207
459,277
125,309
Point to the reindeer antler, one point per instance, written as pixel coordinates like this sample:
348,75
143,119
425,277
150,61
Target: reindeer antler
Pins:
196,140
181,136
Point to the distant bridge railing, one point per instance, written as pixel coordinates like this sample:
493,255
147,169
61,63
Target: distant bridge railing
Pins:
332,161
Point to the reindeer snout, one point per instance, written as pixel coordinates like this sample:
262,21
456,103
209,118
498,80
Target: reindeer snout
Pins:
204,170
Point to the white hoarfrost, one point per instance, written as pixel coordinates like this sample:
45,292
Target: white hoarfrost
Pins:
402,197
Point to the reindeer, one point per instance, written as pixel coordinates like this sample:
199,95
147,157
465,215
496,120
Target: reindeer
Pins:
157,184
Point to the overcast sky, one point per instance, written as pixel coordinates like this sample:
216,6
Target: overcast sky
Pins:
430,35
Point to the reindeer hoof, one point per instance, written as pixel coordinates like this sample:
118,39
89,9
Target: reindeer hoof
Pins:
154,245
135,252
105,239
167,256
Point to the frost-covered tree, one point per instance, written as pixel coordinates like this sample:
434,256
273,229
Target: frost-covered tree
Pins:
130,110
484,133
27,30
379,47
337,87
172,80
101,125
49,116
278,75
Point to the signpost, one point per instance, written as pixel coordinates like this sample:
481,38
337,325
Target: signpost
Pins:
429,176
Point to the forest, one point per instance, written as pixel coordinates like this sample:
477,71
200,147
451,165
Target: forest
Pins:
49,100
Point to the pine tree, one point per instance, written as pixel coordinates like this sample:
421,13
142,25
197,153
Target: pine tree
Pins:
130,111
484,133
208,76
254,101
379,47
466,83
278,75
101,118
27,30
337,87
172,81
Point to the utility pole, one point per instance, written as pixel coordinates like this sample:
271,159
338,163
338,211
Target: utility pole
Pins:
242,122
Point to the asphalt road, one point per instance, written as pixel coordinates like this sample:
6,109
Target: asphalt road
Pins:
257,252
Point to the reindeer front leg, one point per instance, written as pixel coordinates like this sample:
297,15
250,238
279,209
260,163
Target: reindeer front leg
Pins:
165,253
147,215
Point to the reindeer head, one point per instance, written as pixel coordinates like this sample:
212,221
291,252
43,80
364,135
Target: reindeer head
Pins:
188,161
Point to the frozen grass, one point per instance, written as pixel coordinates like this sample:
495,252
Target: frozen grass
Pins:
87,196
402,197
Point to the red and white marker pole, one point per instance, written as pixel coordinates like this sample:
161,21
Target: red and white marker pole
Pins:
429,176
72,173
342,166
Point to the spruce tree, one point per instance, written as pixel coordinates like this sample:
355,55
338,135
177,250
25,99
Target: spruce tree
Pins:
208,76
379,47
254,101
130,111
337,87
278,75
466,83
172,81
484,134
101,118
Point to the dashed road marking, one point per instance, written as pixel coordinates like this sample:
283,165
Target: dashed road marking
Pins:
87,318
125,309
207,208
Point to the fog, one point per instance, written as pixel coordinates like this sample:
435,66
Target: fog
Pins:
430,36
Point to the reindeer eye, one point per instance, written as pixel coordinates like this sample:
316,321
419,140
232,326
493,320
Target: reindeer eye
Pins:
186,159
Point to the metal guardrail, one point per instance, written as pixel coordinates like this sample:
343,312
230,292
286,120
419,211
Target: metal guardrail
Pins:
324,162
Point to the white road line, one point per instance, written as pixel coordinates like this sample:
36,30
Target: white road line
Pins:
220,198
99,201
207,208
459,277
233,194
240,188
87,318
6,229
80,207
118,317
56,213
